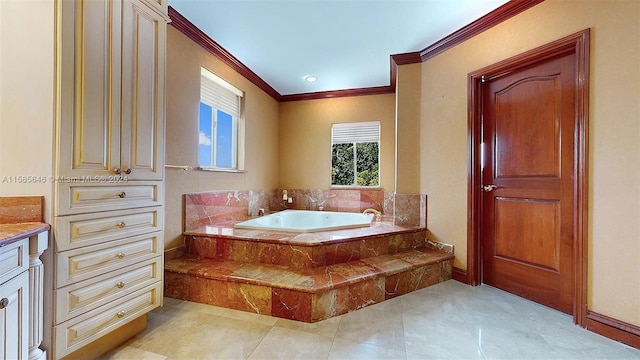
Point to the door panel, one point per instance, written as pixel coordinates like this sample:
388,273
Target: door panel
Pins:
528,232
527,235
527,148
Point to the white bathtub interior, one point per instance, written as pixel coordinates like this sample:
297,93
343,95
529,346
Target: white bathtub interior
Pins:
307,221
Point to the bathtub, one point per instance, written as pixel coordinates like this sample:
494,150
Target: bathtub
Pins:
307,221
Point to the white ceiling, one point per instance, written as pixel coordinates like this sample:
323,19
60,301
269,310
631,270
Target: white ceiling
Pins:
345,43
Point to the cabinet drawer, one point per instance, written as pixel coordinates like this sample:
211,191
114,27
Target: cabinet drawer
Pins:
75,231
79,331
14,259
77,198
84,296
81,264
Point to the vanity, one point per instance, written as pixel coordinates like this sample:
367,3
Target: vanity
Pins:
23,238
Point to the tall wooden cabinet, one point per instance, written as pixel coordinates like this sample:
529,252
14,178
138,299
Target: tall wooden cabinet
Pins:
108,214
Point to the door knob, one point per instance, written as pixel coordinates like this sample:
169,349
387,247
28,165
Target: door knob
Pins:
489,188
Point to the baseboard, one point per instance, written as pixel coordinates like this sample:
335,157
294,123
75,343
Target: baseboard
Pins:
614,329
460,275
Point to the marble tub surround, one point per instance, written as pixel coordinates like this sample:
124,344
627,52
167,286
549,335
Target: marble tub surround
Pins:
342,200
410,210
302,250
215,207
307,295
306,277
220,207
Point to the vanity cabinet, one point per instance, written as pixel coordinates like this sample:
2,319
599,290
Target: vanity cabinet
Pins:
14,300
108,213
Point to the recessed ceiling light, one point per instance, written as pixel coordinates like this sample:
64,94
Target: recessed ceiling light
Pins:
310,78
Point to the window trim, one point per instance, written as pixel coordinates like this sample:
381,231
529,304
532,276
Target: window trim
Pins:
222,96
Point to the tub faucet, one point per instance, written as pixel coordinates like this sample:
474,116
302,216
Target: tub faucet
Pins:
373,211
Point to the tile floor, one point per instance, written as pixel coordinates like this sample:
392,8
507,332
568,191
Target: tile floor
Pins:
445,321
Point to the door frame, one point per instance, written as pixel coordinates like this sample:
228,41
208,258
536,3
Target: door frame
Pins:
577,44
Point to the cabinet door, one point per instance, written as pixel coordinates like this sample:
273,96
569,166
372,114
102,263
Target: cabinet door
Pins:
143,67
90,88
14,317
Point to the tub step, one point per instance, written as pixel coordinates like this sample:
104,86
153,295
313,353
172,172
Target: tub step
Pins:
310,294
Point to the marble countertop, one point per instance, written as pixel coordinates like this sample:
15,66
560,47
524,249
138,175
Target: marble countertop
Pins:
227,230
10,233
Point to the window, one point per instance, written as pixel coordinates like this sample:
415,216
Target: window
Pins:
355,154
220,131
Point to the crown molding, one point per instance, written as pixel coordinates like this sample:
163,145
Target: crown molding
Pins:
191,31
497,16
504,12
377,90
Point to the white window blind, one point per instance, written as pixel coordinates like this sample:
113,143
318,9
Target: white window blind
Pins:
348,133
219,94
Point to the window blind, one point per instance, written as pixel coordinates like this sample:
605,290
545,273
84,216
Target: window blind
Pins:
219,94
348,133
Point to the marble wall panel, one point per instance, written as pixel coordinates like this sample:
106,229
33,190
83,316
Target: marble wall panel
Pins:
297,257
221,206
366,293
410,210
293,305
251,298
177,285
330,303
238,250
342,252
21,209
371,199
201,246
209,291
446,270
214,207
374,247
408,281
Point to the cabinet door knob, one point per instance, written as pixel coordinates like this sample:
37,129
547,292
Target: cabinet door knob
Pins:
120,314
127,171
121,224
120,255
122,195
120,284
117,171
4,303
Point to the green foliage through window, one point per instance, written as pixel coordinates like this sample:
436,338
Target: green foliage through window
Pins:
355,164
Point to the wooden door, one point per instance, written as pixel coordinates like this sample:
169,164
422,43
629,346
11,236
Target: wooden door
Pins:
528,199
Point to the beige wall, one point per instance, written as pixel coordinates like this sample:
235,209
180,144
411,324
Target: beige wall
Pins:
184,59
408,96
27,97
305,137
614,125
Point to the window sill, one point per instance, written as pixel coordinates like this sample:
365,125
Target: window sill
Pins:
213,169
355,187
